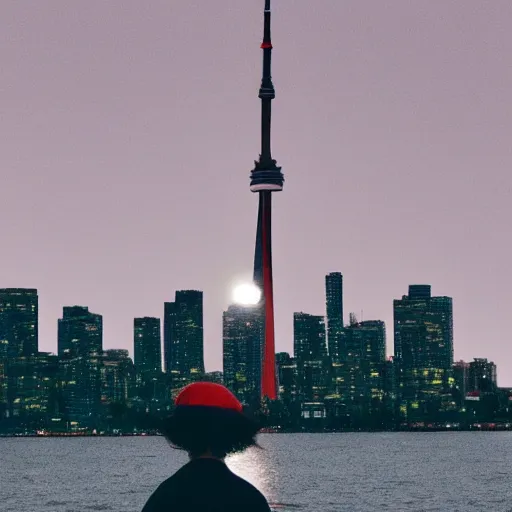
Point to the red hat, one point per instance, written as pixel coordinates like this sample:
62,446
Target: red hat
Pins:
208,394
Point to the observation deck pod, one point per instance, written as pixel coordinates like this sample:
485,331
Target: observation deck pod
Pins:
267,179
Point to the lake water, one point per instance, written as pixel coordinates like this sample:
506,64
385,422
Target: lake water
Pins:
296,472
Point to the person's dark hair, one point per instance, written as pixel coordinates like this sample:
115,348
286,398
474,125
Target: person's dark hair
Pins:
200,430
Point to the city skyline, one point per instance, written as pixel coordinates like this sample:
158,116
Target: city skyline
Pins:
357,316
176,339
110,156
351,386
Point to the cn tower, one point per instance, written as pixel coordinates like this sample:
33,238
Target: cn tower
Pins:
266,177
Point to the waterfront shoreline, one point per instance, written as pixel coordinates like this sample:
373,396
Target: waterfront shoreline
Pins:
482,428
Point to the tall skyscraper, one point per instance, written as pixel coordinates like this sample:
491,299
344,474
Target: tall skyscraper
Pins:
334,307
80,332
362,366
423,348
242,352
80,348
18,322
147,346
266,178
183,336
310,351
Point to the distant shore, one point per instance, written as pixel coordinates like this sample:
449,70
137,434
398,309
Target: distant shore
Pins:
480,427
80,434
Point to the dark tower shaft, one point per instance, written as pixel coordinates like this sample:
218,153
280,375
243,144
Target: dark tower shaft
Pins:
265,179
264,279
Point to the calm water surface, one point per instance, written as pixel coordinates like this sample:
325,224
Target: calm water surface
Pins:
297,472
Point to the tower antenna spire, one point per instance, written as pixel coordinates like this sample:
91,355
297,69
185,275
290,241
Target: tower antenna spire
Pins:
267,91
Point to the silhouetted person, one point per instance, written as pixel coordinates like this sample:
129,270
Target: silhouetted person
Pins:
209,424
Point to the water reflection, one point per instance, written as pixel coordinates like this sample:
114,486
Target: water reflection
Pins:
260,467
256,466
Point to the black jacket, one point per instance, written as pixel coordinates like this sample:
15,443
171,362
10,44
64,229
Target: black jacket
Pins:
206,485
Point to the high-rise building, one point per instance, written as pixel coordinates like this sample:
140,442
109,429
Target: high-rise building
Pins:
80,332
287,377
309,337
362,389
147,346
390,402
361,372
18,322
423,350
169,333
461,380
32,386
80,348
334,307
117,377
242,352
183,336
80,386
310,351
482,376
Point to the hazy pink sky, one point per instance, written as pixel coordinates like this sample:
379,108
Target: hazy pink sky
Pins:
128,131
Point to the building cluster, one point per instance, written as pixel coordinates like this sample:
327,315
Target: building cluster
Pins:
84,387
338,378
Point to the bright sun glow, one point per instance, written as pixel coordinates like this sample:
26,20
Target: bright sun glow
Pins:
247,294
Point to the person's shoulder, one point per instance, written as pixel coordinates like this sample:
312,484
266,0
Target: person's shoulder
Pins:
175,481
170,486
169,491
166,492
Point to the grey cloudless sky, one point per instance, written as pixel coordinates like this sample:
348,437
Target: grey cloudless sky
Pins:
128,130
